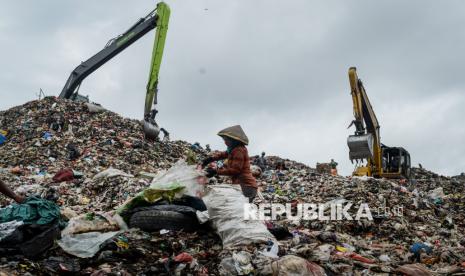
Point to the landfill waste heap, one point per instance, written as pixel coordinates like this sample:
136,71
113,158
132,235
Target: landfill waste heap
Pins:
56,149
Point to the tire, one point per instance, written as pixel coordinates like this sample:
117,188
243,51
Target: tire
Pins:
154,220
186,210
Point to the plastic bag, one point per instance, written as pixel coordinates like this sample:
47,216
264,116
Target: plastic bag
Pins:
111,172
100,223
291,265
7,228
225,204
181,179
187,176
85,245
238,264
437,193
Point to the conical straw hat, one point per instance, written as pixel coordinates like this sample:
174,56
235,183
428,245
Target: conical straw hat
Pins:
236,133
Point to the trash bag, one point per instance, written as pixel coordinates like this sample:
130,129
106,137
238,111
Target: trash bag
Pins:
186,175
225,204
181,179
30,240
7,228
35,247
99,222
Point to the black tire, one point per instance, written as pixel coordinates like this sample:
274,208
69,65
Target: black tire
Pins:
154,220
186,210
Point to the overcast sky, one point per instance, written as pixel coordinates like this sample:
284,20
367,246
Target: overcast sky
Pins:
278,68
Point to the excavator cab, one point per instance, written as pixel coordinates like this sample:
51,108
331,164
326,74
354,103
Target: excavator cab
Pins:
396,162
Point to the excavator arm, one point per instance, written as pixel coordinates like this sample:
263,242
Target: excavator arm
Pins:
158,18
365,144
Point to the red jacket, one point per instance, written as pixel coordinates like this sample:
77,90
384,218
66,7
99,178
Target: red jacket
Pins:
237,166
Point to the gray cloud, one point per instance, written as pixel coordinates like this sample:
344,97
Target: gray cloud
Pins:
280,70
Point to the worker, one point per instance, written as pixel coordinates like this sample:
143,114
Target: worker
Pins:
333,165
395,163
9,193
261,162
237,164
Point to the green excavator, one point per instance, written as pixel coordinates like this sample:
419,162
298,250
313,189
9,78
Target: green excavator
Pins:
158,19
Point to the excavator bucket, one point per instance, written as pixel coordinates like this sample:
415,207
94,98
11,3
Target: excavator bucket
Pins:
360,146
151,130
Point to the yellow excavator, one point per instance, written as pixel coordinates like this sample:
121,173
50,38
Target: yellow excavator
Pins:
371,156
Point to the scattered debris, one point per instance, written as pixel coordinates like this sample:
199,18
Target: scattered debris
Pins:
92,163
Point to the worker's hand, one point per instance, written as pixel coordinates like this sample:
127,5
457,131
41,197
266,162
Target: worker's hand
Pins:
210,172
207,161
19,198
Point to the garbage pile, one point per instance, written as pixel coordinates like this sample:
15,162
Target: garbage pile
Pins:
417,222
93,163
52,136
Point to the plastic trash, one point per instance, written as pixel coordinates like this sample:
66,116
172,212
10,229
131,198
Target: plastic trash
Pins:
437,193
418,247
242,263
3,139
271,251
202,216
186,175
7,228
324,252
47,136
98,222
414,270
85,245
183,258
291,265
63,175
111,172
384,258
359,258
181,179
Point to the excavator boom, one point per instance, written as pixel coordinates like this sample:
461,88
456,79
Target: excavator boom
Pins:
158,18
366,141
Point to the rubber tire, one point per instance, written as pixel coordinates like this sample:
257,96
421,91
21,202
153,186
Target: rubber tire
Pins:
186,210
154,220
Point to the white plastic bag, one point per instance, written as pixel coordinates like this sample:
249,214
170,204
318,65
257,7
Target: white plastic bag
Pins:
111,172
437,193
225,204
100,223
181,179
186,175
85,245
